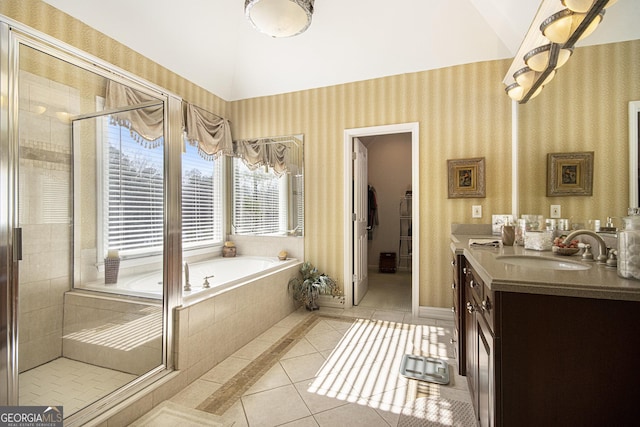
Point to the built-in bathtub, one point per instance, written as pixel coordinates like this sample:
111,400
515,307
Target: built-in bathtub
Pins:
247,295
219,274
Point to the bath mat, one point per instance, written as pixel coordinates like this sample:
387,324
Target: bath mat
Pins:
437,412
424,368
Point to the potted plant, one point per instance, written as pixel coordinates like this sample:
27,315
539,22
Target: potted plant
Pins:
309,284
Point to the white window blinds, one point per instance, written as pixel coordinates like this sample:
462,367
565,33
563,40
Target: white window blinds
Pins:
259,202
202,199
133,208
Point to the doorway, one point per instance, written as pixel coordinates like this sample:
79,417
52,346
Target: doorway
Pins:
388,240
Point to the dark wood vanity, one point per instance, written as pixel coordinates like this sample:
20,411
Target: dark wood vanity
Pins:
545,355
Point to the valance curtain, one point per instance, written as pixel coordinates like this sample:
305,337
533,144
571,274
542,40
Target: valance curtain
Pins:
275,153
146,125
210,133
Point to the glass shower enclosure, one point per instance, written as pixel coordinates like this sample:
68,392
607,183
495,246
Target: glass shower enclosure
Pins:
85,185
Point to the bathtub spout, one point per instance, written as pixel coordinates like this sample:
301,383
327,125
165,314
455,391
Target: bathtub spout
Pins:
187,285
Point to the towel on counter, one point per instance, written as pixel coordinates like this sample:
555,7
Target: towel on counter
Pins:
492,243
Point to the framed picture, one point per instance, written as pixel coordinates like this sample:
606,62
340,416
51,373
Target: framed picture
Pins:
466,177
570,174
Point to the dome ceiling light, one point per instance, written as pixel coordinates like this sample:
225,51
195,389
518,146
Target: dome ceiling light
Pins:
549,43
279,18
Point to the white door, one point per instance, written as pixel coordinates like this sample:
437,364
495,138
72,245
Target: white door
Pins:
360,209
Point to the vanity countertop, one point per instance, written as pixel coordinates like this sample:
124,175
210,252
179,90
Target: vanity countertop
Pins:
596,282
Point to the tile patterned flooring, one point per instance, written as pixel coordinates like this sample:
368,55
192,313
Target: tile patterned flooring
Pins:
330,368
338,367
333,367
69,383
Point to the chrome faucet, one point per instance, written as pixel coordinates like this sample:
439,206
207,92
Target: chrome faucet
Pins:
187,285
206,284
602,246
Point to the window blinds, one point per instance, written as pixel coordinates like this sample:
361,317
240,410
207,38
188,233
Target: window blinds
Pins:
202,200
134,211
257,201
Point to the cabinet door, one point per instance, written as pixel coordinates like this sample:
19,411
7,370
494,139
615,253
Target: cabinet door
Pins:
471,342
458,308
486,374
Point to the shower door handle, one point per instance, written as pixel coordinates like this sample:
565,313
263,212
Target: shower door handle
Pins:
17,244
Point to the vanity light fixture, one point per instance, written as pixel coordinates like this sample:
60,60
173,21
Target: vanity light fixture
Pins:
583,6
538,59
279,18
560,26
549,43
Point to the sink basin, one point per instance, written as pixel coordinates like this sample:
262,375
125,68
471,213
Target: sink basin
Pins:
546,263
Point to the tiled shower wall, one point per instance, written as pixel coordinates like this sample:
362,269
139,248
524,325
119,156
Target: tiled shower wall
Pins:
44,215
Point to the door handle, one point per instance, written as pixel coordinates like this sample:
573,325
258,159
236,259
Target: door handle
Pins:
17,244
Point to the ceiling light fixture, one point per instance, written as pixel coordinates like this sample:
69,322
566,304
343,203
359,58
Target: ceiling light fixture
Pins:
549,43
279,18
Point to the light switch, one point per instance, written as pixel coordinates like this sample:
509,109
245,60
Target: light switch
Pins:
476,211
555,211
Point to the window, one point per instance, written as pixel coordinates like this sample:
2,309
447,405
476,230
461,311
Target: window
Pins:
133,209
133,199
259,201
202,199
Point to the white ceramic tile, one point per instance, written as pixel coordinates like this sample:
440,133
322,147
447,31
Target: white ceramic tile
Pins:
274,407
303,367
195,393
325,340
273,378
301,348
304,422
225,370
236,415
321,395
352,415
252,350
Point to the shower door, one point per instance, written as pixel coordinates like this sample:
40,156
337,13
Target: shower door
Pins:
86,186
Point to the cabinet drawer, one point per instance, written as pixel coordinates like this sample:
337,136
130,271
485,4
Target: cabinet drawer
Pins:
483,297
476,285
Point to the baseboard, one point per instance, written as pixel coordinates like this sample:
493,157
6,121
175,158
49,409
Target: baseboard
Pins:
436,313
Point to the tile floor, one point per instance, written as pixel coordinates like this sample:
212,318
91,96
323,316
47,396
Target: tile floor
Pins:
68,383
333,367
337,367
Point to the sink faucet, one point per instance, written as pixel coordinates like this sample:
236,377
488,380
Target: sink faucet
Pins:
602,246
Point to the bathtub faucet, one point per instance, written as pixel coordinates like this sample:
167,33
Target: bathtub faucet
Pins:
206,281
187,285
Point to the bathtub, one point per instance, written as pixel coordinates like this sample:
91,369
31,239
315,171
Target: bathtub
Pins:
221,273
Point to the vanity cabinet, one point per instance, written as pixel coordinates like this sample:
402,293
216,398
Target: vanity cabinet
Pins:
480,342
457,307
540,359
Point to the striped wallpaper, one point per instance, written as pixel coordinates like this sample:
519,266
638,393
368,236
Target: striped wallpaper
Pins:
463,112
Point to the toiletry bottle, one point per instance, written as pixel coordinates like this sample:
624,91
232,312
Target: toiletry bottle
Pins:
629,246
508,234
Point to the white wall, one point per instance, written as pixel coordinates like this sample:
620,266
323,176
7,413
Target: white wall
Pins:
390,174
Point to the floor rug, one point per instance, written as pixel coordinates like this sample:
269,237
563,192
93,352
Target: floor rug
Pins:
437,412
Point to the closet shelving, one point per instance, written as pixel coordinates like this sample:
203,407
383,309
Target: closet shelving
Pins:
405,245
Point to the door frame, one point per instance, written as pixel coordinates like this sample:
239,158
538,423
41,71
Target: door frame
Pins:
349,134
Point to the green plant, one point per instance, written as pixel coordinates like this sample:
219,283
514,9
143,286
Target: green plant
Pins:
309,284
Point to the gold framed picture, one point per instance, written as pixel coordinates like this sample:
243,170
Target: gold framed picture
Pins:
466,177
570,174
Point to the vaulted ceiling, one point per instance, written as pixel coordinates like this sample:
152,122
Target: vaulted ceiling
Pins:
211,43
